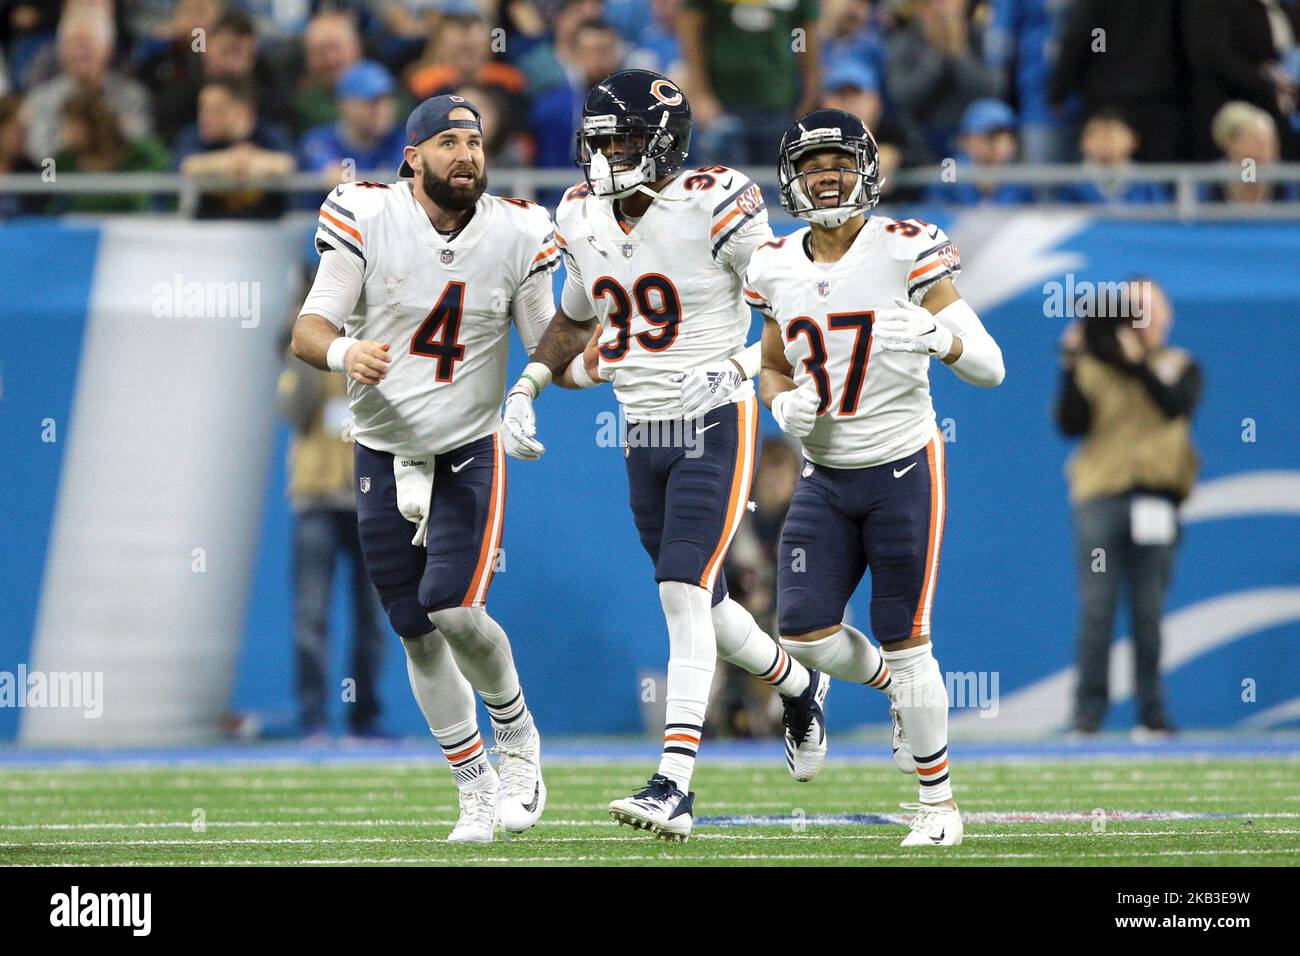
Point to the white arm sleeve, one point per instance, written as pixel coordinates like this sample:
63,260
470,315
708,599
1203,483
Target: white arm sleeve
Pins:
337,288
533,308
740,247
981,358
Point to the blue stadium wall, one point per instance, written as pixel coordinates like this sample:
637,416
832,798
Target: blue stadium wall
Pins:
576,592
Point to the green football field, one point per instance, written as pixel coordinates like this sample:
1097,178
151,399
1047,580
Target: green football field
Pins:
1100,812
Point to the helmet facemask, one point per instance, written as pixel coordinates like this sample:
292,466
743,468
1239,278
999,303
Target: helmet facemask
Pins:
797,194
636,153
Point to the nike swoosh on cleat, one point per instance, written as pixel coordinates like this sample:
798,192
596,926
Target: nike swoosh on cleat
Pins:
461,465
939,838
537,792
900,474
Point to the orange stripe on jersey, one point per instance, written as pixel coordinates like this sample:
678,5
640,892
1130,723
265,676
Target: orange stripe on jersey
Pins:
754,295
342,225
560,240
934,456
746,426
725,219
492,526
931,771
924,269
544,253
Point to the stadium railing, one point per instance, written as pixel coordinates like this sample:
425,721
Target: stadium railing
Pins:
1187,184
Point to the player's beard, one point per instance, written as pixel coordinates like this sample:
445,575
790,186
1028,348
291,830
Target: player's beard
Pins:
456,198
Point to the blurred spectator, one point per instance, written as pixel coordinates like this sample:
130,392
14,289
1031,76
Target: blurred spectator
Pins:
331,47
1126,56
1247,136
157,26
757,64
744,706
1130,397
855,88
27,32
932,72
1236,50
459,51
988,138
1021,43
849,33
1108,144
92,141
654,42
502,142
14,159
367,135
85,50
596,52
177,73
229,140
325,531
544,65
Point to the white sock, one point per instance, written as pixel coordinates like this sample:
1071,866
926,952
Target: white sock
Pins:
482,652
692,657
922,699
447,702
742,642
847,654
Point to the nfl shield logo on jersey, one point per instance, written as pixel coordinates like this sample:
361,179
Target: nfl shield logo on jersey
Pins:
628,249
824,288
446,256
365,485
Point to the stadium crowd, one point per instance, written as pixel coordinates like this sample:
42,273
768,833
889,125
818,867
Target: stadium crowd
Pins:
254,88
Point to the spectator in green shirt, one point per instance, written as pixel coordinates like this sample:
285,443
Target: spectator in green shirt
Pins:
755,61
93,141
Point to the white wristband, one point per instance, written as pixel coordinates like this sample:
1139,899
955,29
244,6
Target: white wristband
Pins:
537,375
337,350
578,373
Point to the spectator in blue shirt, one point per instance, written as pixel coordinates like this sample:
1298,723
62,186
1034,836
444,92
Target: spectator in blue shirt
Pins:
1020,42
1108,144
987,137
596,52
367,137
851,33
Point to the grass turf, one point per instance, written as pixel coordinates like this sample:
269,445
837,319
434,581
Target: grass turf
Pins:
1018,813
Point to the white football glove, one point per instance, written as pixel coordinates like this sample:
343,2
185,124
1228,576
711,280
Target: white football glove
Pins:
796,411
911,328
519,424
703,387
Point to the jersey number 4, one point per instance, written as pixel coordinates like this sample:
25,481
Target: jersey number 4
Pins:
437,335
857,322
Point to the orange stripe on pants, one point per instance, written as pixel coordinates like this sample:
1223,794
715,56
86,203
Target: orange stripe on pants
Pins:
492,528
747,429
934,455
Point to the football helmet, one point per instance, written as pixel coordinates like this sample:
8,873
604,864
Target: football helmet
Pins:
636,129
823,130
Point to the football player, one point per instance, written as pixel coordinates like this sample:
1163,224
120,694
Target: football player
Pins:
419,282
655,256
856,307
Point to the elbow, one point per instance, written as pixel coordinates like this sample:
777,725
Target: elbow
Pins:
296,344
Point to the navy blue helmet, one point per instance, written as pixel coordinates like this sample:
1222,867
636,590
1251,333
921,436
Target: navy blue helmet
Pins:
636,129
819,131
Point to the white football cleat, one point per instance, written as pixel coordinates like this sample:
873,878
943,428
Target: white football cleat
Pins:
523,792
933,825
478,812
805,728
660,807
903,759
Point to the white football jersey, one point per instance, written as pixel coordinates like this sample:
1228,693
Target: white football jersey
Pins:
875,404
667,292
443,306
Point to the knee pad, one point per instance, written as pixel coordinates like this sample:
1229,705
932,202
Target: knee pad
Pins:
408,618
731,626
457,624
